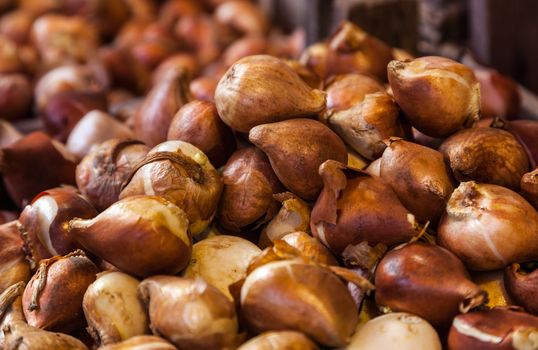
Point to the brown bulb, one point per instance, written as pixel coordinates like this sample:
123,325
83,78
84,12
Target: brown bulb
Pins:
44,222
426,280
346,90
352,208
15,96
52,299
13,265
283,340
521,281
296,148
529,187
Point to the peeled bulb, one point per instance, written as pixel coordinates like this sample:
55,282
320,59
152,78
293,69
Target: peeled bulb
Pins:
221,261
438,95
328,315
141,235
408,276
189,312
282,340
181,173
112,308
489,226
296,148
263,89
399,330
95,127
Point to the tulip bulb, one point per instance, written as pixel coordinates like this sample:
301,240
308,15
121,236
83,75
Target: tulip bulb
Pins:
221,261
529,187
397,330
17,334
487,155
346,90
43,222
408,275
15,96
489,227
26,166
101,173
499,328
189,312
521,281
296,148
191,181
365,125
13,265
348,210
247,195
141,235
113,310
328,315
52,299
438,95
419,177
95,127
140,342
284,340
263,89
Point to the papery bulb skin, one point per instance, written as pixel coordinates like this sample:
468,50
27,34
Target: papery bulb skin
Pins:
26,168
499,328
521,286
296,148
409,275
487,155
489,227
397,330
153,119
243,17
112,308
438,95
348,210
199,124
284,340
190,313
249,185
184,175
365,125
419,177
221,261
141,235
327,316
102,172
263,89
57,305
13,265
44,222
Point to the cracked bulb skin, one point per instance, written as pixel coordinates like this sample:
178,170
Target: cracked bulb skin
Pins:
489,226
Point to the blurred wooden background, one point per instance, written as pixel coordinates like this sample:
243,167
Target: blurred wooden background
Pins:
499,33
